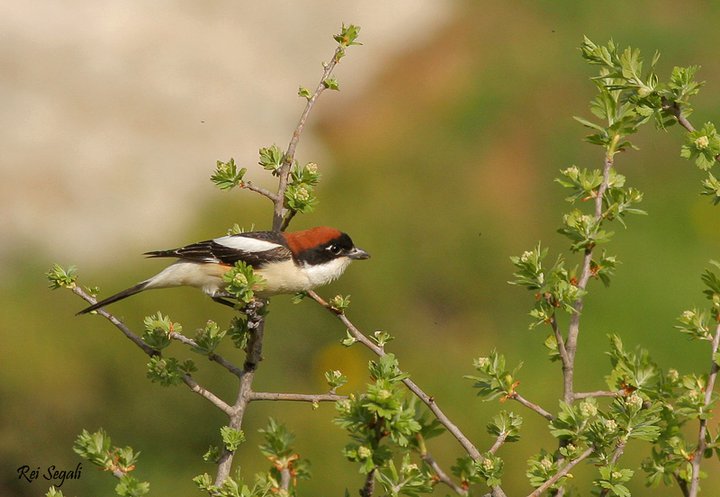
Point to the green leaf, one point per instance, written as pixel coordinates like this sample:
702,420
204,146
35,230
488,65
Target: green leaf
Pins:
304,93
60,277
271,159
506,424
348,35
158,329
241,281
168,371
232,438
335,379
209,338
331,83
227,175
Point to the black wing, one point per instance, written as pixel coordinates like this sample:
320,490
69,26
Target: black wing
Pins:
255,248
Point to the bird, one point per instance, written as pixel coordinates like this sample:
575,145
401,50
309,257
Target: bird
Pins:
288,262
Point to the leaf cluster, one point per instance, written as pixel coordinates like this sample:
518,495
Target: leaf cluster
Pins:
554,287
97,448
493,379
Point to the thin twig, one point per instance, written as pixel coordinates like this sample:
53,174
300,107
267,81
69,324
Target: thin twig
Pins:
441,475
248,185
586,273
564,471
531,405
560,342
286,220
369,486
292,146
598,393
116,322
676,110
207,394
499,441
682,484
213,356
285,477
709,388
299,397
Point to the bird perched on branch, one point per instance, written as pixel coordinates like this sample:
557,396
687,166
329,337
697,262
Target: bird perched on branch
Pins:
287,262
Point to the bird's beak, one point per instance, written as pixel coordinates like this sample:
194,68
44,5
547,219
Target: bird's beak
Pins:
358,253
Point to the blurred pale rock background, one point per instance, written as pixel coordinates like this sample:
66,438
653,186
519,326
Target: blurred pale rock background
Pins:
114,111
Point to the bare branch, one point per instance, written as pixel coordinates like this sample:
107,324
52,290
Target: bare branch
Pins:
709,388
369,486
564,471
207,394
441,475
248,185
213,357
531,405
598,393
117,323
499,441
299,397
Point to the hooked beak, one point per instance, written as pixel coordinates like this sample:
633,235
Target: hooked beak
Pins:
358,253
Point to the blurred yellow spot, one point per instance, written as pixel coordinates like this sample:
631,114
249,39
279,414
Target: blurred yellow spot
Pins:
351,361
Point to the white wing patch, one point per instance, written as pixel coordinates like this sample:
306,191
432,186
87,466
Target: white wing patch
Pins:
246,244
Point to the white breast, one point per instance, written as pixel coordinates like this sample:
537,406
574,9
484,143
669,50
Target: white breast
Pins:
322,274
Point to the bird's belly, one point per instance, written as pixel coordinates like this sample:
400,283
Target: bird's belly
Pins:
206,276
282,277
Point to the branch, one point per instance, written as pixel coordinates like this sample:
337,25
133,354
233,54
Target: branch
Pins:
619,449
598,393
682,484
677,112
253,356
207,394
259,189
116,322
290,153
441,475
574,327
499,441
531,405
414,388
560,342
369,486
299,397
564,471
213,356
697,458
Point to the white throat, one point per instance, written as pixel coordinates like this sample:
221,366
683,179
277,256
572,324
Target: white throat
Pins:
322,274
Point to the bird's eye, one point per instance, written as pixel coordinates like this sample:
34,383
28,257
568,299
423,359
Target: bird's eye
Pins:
334,249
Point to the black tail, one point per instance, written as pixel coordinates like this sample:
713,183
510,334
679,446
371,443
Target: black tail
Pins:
114,298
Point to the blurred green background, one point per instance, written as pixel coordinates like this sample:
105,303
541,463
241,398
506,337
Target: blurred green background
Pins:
441,167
